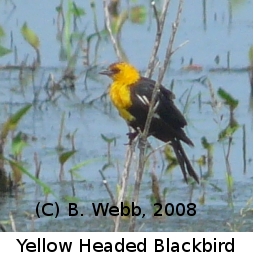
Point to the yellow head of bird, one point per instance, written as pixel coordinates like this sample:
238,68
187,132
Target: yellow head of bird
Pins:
122,72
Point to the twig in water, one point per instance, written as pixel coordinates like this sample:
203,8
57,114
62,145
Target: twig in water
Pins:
244,149
175,26
59,144
227,156
181,45
156,149
160,25
214,101
37,165
72,184
108,26
125,178
105,182
2,228
13,226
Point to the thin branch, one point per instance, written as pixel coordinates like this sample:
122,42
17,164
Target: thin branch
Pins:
175,26
156,149
227,156
2,228
105,182
125,178
108,26
37,165
181,45
13,226
160,27
244,149
152,109
156,15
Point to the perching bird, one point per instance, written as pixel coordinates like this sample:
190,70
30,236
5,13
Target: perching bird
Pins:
131,94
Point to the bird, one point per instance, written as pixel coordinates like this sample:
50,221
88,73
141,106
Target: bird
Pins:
131,94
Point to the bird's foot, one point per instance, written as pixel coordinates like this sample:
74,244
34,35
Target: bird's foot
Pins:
131,136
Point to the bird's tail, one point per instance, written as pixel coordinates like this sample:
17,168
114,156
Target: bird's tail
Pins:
183,160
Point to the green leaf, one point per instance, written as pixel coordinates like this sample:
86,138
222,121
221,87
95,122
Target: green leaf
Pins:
118,22
4,51
77,11
18,143
169,155
201,161
16,173
201,200
204,142
66,156
208,146
237,4
13,121
84,163
229,130
165,192
229,100
75,168
230,181
30,36
59,8
46,188
2,32
107,139
216,187
71,199
127,204
106,166
138,14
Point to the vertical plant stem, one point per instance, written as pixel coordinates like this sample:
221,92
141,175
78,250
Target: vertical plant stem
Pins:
244,149
72,184
228,60
108,25
105,182
3,177
210,160
37,165
95,21
61,172
152,109
229,175
67,29
2,228
13,225
59,145
204,14
199,101
175,26
125,178
160,25
230,12
109,152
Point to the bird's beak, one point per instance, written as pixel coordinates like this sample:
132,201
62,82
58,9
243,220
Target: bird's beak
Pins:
106,72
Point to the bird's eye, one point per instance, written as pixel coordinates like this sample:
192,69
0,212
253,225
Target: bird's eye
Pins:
115,70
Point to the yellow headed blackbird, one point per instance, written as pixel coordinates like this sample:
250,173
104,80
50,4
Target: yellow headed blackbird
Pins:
131,94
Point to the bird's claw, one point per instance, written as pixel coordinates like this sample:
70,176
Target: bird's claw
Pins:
131,136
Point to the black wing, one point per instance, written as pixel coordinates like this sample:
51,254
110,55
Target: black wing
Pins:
141,95
167,123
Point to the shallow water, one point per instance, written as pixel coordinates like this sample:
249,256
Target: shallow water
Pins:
222,33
